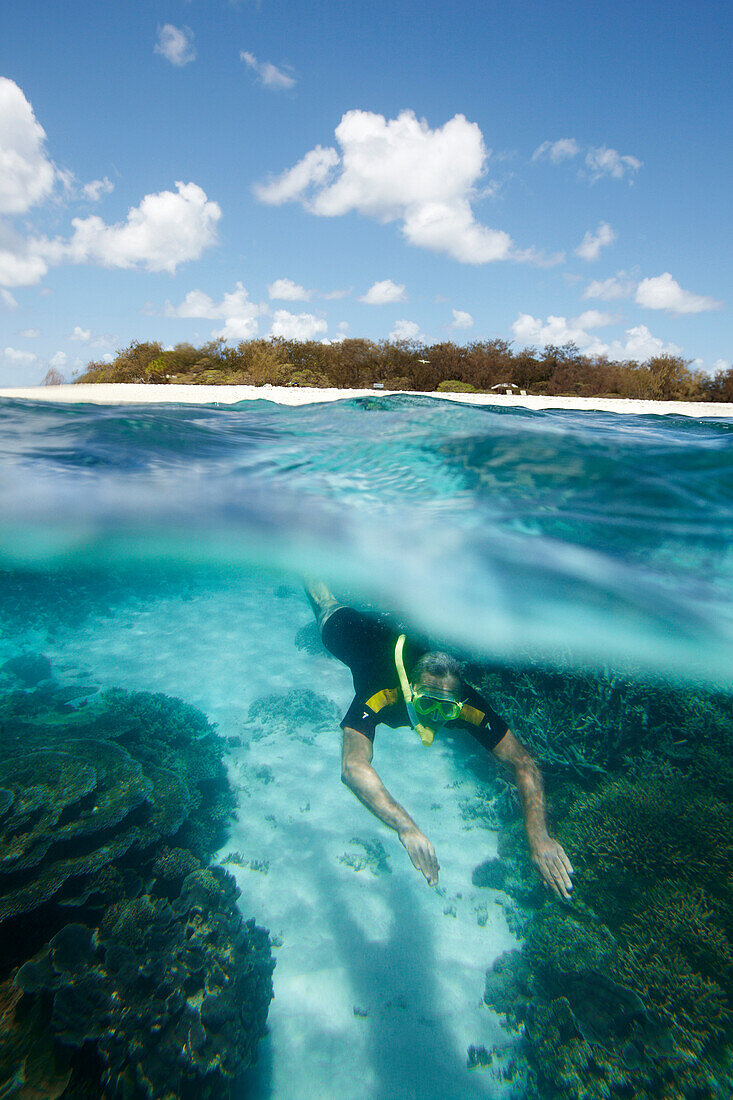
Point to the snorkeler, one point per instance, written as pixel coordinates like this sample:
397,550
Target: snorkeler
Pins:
431,697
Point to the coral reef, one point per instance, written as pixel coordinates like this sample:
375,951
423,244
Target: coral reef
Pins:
629,989
294,712
582,725
372,856
126,969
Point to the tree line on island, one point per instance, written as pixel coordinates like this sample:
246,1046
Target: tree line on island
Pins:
480,367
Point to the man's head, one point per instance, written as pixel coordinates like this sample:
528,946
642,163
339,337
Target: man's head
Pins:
437,688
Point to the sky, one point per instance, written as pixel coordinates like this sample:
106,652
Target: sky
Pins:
187,170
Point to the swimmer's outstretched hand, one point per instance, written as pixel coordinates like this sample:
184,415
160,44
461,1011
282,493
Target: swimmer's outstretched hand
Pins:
553,866
421,852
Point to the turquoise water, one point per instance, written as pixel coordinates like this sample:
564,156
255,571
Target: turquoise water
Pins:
520,534
579,562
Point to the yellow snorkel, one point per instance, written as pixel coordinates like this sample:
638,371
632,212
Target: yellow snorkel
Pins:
425,734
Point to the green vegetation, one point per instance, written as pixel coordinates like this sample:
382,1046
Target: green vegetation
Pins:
406,365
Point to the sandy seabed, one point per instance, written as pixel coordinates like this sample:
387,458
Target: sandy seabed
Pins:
125,393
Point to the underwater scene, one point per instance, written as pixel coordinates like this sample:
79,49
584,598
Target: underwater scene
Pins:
194,903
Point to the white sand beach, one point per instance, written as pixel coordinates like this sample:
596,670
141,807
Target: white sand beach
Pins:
124,393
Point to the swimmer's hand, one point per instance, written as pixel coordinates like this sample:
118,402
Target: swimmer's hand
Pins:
421,852
553,866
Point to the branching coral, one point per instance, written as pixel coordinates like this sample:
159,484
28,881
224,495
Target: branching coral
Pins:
629,990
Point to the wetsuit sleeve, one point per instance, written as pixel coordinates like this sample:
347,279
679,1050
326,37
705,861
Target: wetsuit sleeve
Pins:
481,720
360,717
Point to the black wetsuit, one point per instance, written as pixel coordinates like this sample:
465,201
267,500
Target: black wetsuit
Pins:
367,646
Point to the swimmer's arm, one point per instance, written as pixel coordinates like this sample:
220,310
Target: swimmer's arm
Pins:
360,777
548,856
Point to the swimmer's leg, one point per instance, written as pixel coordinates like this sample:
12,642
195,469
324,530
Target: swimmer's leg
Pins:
322,601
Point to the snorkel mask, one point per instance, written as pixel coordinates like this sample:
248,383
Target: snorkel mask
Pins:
436,707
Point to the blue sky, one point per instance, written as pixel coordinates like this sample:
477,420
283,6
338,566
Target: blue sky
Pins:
540,172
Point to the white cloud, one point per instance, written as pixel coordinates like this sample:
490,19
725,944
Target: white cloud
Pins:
593,318
400,170
461,319
608,290
13,355
58,359
235,310
406,330
312,170
592,243
83,335
602,161
288,291
175,44
30,333
334,295
720,364
638,345
383,293
557,331
96,188
167,229
297,326
19,268
664,292
641,345
556,151
599,159
8,300
269,75
26,174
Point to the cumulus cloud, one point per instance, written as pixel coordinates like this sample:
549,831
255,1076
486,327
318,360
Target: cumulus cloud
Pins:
720,364
167,229
30,333
461,319
83,335
58,359
406,330
618,286
400,170
268,74
639,344
287,291
175,44
312,171
235,310
599,159
557,151
383,293
8,300
592,243
297,326
19,267
664,292
602,161
13,355
26,174
96,188
558,331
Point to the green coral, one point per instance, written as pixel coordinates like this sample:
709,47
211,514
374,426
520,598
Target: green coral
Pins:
629,990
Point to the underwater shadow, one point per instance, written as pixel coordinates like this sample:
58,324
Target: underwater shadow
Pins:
411,1052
